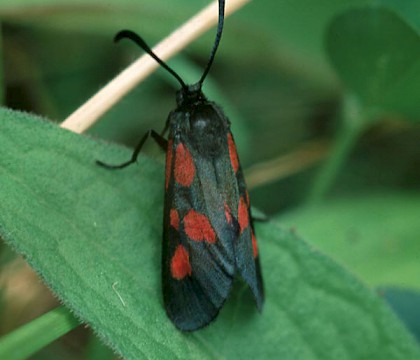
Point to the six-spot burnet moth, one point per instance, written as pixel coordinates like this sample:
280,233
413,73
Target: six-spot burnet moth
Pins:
208,234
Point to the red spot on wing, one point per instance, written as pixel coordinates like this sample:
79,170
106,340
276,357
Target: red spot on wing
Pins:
198,228
180,263
243,214
233,154
174,218
228,215
168,163
184,170
254,245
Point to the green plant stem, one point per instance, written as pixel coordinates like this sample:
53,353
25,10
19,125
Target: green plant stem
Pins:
353,124
33,336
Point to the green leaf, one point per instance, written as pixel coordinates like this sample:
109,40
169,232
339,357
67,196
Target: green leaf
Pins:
289,30
92,16
408,9
2,80
406,304
377,56
376,237
38,333
97,350
94,236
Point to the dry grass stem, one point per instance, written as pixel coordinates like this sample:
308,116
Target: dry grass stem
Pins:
87,114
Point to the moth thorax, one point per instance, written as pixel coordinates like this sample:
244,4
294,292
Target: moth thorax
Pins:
207,130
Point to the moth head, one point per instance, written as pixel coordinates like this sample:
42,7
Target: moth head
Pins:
190,95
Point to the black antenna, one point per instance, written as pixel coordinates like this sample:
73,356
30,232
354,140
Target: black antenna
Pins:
140,42
216,41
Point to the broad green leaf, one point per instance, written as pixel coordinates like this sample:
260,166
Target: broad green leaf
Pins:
94,237
374,236
377,56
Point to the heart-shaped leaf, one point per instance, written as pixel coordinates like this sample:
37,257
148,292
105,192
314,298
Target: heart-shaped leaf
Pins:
377,56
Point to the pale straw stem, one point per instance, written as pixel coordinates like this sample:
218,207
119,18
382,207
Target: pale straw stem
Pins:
87,114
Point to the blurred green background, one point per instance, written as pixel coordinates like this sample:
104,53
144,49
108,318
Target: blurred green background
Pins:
324,100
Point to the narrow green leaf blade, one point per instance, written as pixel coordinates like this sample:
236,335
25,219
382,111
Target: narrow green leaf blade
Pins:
33,336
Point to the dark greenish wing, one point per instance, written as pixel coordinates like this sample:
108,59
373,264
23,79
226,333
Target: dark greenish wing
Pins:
198,258
246,249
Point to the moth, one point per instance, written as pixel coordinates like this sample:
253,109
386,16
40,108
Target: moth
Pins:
208,232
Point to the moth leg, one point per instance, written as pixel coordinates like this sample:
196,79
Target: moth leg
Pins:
161,141
165,129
